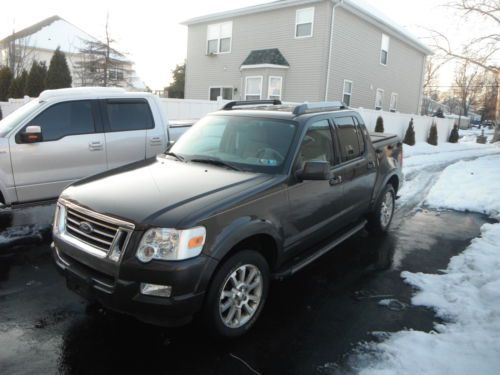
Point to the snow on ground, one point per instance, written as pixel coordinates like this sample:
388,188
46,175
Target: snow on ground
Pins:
469,135
466,295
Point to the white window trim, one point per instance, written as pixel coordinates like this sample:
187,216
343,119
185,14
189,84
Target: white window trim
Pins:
383,94
382,49
391,109
269,86
261,86
219,87
219,39
297,23
347,93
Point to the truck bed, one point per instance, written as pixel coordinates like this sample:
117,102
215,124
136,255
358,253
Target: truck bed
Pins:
383,139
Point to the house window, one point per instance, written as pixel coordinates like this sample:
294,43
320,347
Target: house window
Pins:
253,88
225,92
346,96
384,50
379,99
304,21
219,38
115,75
275,87
394,102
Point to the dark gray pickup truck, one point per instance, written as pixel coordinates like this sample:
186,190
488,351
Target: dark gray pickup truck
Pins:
248,194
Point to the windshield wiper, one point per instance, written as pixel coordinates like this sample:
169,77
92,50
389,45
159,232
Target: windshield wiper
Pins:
214,161
178,157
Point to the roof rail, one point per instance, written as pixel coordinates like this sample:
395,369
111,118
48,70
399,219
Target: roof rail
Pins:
318,107
229,106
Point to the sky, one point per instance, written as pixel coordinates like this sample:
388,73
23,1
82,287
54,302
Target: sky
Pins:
150,33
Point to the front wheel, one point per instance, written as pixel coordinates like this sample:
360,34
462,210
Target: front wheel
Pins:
380,219
237,294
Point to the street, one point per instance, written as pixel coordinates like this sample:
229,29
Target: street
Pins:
310,324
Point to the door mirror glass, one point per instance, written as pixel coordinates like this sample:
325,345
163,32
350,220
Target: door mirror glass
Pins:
314,171
32,134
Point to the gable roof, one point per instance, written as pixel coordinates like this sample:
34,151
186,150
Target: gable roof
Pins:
358,7
271,56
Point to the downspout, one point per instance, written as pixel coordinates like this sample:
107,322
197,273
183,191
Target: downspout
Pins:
336,3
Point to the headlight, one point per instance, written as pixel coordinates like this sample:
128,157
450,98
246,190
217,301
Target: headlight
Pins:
171,244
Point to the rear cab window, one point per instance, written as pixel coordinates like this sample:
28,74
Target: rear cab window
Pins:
65,119
127,115
350,138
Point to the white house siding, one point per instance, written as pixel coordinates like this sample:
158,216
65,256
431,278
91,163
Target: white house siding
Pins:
274,29
356,57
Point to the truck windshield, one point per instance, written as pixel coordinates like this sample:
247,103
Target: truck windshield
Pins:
244,143
12,120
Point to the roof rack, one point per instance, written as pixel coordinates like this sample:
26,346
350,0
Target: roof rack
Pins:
318,107
229,106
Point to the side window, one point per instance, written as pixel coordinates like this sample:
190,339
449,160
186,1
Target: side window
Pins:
317,144
128,115
65,119
347,131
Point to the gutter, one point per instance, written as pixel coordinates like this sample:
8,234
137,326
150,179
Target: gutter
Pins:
330,50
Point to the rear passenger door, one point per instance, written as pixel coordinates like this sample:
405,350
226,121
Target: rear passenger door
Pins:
357,167
126,124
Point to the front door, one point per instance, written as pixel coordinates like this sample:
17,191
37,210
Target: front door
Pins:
71,149
314,205
126,124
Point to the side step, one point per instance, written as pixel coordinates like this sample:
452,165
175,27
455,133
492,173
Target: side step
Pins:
320,252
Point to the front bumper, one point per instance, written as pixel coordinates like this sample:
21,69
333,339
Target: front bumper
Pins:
117,286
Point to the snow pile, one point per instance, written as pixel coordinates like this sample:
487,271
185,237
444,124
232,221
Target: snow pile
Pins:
469,186
467,295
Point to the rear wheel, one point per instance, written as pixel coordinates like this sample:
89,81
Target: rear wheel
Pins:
237,294
380,220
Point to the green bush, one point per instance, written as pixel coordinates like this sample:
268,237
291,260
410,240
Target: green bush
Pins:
410,134
58,76
6,78
433,135
379,126
1,115
454,135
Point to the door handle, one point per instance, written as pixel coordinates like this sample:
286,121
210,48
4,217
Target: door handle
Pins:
95,146
371,164
335,180
155,141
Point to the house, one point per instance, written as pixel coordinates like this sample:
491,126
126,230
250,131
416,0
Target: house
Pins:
83,53
306,50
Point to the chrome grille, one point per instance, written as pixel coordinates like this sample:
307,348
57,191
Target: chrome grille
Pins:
101,236
96,234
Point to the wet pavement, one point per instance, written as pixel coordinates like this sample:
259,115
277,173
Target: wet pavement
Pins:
311,322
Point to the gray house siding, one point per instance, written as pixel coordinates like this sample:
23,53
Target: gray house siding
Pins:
356,57
274,29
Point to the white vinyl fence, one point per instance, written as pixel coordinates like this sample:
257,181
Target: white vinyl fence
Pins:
397,123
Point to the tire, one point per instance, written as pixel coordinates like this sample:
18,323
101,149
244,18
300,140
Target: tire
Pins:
243,293
380,219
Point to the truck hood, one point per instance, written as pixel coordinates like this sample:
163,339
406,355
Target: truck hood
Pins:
144,191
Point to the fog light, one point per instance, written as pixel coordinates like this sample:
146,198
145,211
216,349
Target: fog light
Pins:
156,290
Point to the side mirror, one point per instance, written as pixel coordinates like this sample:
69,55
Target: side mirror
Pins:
32,134
314,171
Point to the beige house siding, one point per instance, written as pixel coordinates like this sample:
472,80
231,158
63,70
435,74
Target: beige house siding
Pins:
356,57
274,29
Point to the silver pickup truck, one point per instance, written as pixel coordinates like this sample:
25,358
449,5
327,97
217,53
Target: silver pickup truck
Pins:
65,135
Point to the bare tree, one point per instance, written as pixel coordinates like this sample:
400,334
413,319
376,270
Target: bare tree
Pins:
99,64
431,82
19,54
482,50
469,81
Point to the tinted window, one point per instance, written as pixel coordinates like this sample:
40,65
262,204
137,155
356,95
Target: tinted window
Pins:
126,116
348,138
317,144
65,119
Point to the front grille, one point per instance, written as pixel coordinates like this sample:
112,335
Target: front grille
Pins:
94,233
101,236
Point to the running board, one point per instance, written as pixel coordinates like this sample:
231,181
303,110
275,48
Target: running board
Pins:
322,251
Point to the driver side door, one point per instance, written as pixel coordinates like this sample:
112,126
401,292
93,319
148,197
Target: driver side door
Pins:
72,147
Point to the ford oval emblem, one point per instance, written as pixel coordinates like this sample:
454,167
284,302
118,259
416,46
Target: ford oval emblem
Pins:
86,227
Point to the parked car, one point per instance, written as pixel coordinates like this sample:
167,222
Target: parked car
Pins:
244,196
68,134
